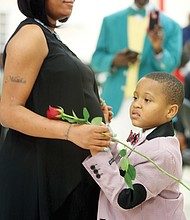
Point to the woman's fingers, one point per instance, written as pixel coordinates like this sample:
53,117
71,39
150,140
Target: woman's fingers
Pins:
99,149
87,136
108,114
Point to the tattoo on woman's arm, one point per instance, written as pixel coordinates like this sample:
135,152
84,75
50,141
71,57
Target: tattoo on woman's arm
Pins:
15,79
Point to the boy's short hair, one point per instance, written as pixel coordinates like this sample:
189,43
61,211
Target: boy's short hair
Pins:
172,87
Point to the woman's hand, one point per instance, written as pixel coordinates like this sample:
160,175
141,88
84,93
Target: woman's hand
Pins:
90,137
108,114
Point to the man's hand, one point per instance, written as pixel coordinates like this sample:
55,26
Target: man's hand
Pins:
156,37
124,58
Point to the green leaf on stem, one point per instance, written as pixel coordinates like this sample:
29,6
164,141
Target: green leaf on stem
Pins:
124,163
128,181
123,152
86,114
131,171
96,121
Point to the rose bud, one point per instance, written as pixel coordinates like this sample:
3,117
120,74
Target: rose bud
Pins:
54,113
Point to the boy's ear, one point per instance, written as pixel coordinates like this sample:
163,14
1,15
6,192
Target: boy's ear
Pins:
172,111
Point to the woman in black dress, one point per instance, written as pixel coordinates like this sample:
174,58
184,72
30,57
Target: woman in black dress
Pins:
41,173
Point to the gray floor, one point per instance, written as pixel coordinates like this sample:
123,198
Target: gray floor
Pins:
186,193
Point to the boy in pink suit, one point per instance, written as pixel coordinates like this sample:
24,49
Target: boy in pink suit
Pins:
157,99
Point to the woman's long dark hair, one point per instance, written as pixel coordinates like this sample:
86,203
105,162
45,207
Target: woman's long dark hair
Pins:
35,9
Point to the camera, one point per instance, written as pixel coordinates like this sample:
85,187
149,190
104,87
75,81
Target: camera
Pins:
154,19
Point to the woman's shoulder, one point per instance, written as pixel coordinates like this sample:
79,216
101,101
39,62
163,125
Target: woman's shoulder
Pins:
29,37
29,26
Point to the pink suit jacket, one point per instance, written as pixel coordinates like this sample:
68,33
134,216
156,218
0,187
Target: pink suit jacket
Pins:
163,199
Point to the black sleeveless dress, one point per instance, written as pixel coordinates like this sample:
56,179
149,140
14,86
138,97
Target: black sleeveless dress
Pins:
44,178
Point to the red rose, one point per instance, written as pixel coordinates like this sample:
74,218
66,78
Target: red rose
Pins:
53,113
